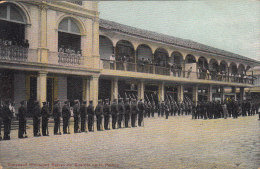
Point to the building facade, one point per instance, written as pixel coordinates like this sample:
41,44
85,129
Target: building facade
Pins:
62,50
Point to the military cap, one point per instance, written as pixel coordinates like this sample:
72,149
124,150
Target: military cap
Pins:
23,102
43,103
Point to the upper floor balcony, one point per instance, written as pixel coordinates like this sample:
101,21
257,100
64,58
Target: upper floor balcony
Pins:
175,71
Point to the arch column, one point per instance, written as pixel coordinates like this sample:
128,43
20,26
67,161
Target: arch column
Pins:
42,50
42,87
180,93
93,92
141,90
210,93
114,89
195,94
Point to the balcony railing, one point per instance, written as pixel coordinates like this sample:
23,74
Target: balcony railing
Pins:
17,53
152,69
22,54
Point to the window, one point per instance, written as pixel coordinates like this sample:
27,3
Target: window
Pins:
69,26
11,13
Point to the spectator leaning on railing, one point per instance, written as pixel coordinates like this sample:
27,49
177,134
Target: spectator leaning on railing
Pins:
69,55
14,49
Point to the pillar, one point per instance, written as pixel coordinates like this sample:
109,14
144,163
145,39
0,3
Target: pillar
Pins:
93,92
222,93
86,89
41,87
42,50
195,94
234,91
210,93
242,93
180,93
141,90
114,89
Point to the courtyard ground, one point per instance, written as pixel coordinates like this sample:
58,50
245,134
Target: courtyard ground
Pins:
178,142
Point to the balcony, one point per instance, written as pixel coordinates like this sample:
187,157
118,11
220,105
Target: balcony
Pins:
25,55
152,69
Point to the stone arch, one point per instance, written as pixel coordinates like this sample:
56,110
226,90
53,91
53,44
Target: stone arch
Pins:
233,68
190,59
124,50
176,58
106,48
203,62
223,66
241,69
161,56
74,19
213,65
144,51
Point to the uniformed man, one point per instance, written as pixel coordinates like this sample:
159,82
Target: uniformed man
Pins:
99,115
65,117
107,111
7,118
162,108
167,109
45,117
36,119
76,116
1,118
121,112
114,112
22,120
127,112
56,116
91,113
134,110
83,115
140,112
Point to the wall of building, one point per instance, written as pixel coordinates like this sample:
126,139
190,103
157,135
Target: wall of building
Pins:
19,89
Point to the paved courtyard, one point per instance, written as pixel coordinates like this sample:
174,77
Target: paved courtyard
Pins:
178,142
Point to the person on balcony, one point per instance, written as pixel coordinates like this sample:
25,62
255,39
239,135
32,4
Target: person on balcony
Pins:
189,71
112,61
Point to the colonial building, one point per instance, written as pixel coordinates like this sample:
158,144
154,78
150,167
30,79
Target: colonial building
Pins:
62,50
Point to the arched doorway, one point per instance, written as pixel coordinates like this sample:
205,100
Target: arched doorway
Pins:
203,68
106,52
69,41
125,53
161,61
213,69
144,57
176,63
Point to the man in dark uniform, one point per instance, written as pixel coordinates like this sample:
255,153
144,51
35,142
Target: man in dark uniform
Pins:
140,112
45,117
1,118
91,113
121,112
76,108
99,115
162,108
36,119
153,108
127,112
114,112
65,116
134,110
106,110
167,109
22,119
56,116
83,115
7,118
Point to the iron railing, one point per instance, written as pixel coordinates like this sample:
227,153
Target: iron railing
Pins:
152,69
